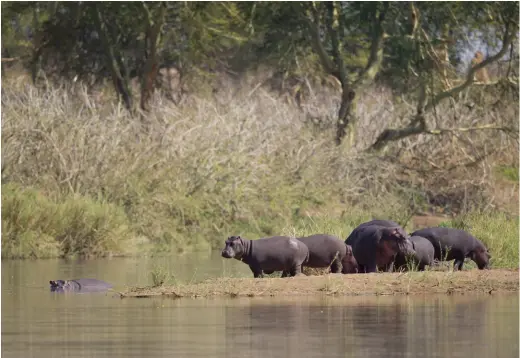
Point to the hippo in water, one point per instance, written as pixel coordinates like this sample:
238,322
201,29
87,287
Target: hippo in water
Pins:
327,250
79,285
424,254
376,243
455,244
267,255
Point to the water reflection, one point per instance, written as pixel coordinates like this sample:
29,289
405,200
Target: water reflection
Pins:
38,323
372,327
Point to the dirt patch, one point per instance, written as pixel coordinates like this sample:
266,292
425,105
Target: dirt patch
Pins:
427,282
422,221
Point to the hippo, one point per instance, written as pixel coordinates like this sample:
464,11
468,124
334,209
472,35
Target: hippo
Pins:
376,243
327,250
424,255
455,244
267,255
79,285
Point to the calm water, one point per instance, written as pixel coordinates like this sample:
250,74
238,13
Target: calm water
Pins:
38,323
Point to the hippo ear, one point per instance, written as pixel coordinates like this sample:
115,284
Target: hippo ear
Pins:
392,233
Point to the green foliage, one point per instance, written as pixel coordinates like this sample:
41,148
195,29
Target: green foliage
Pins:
36,225
508,172
161,276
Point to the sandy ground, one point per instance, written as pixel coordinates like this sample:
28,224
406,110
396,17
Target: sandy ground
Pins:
428,282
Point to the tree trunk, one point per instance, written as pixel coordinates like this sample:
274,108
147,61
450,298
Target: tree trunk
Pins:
37,45
346,115
118,74
151,66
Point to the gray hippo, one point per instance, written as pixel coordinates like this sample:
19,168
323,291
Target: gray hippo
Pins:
455,244
267,255
327,250
79,285
424,255
376,243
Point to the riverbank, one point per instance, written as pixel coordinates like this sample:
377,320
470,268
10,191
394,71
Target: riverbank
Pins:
410,283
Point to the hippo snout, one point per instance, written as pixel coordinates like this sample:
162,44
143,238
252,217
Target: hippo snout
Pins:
406,247
226,254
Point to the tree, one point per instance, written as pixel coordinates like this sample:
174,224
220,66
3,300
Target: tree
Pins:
334,27
498,18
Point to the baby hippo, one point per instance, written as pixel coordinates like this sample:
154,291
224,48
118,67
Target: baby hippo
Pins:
329,251
421,257
267,255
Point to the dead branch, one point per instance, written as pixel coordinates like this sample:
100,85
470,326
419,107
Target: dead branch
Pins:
417,124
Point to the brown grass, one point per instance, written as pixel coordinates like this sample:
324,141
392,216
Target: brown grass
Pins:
465,282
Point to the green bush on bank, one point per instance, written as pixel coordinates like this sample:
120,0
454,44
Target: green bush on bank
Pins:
36,225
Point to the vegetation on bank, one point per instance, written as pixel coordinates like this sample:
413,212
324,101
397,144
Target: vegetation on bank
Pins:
81,177
410,283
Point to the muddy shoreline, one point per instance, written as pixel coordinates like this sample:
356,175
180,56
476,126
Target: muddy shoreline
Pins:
410,283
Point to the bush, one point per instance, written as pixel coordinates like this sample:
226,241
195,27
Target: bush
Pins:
35,225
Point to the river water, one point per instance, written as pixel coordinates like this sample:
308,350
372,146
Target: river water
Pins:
38,323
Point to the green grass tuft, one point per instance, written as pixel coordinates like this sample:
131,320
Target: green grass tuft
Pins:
35,225
508,172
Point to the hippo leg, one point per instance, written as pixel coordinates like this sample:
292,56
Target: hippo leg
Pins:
371,267
284,273
335,266
296,270
457,265
389,267
256,272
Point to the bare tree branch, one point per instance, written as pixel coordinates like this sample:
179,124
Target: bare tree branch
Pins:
418,124
509,36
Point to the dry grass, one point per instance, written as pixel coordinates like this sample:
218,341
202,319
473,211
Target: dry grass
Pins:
251,164
428,282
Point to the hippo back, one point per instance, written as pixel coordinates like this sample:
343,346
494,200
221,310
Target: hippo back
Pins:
270,252
323,249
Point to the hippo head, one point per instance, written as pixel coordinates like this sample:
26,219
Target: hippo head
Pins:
481,257
234,248
349,263
58,285
395,240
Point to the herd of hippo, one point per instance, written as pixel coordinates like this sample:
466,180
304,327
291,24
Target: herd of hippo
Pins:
372,246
